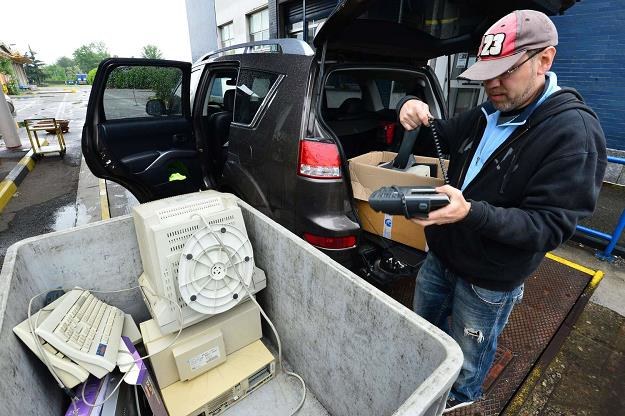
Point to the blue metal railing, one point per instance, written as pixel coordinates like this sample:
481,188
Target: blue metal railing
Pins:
613,238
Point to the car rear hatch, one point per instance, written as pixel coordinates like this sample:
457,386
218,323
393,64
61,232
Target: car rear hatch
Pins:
415,30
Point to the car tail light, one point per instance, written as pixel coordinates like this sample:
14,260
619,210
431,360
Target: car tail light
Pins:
319,160
331,242
389,131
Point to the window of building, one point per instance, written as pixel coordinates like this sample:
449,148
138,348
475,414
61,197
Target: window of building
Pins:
296,30
252,89
259,25
227,34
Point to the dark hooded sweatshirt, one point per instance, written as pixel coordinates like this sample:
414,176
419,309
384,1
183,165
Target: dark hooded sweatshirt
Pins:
529,195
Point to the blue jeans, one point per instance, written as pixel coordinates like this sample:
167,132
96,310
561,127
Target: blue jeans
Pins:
477,318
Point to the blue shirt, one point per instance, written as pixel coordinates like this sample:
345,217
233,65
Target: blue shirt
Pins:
499,128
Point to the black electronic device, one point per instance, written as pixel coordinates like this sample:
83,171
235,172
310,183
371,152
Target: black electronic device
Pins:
409,201
404,160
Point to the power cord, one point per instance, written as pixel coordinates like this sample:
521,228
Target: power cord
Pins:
273,328
74,399
439,149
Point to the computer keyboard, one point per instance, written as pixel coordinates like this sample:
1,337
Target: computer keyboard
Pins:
70,373
86,330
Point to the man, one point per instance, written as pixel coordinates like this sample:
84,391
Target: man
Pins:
524,168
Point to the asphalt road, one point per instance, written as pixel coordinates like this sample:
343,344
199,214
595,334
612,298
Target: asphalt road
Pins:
46,199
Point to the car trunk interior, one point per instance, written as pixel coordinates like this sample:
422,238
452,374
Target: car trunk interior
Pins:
359,107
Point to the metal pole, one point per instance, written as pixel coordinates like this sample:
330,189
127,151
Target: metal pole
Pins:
607,253
304,22
8,129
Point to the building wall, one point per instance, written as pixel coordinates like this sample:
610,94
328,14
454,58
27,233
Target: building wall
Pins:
202,27
236,11
590,58
20,74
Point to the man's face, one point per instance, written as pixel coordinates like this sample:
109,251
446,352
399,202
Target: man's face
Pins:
517,89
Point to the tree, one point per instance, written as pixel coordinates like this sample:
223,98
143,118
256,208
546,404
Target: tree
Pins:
89,56
54,73
151,52
71,71
65,62
34,70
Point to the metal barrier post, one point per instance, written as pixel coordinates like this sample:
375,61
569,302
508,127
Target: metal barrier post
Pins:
607,253
615,236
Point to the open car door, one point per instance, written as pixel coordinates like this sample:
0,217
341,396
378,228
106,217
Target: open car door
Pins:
138,130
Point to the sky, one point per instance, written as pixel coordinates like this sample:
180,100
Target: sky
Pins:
55,28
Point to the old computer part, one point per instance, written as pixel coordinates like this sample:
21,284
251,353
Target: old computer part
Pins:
122,401
202,346
196,255
85,329
70,373
214,391
409,201
186,244
130,329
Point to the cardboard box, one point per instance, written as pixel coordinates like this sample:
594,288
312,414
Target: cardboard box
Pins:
367,176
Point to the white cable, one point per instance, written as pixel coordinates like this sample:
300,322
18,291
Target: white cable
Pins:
38,344
273,328
66,389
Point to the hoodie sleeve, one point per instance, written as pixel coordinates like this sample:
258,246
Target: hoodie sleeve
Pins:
564,190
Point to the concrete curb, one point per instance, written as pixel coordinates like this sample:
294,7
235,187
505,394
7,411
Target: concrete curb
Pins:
9,185
105,213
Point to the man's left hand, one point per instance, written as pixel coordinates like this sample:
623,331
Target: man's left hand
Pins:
457,209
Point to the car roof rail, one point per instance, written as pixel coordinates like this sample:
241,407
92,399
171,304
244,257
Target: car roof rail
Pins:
287,46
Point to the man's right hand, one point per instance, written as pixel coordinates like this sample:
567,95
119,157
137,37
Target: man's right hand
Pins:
413,114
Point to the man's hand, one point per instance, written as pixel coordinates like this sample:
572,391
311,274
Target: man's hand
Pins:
413,114
457,209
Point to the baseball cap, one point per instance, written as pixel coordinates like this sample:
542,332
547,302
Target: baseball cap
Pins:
505,41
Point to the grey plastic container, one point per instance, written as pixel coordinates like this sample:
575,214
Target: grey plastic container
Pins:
360,352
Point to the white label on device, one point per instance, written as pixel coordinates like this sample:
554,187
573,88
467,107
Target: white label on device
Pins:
204,358
388,226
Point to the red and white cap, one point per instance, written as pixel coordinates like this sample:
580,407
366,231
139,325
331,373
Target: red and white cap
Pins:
506,40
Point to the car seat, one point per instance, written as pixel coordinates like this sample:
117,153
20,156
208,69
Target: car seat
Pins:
218,129
355,127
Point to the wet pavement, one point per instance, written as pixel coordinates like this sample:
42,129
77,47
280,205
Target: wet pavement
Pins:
46,200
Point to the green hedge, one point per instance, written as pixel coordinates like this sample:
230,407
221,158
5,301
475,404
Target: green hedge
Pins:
162,81
91,76
6,67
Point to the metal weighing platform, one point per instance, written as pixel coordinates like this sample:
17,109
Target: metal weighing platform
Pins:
555,295
49,125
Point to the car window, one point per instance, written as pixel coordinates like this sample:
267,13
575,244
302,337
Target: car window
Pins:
130,88
252,89
353,91
222,81
442,19
221,84
391,91
339,88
